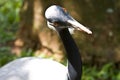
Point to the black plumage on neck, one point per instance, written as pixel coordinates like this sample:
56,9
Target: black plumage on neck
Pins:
73,55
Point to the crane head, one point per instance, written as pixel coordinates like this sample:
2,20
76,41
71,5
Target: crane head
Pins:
58,18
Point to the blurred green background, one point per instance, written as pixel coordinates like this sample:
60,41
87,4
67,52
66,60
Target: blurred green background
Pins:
23,32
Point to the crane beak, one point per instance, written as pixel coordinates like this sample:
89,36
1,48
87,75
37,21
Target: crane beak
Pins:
76,25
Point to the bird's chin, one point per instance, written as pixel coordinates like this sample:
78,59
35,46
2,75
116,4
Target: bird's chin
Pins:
57,27
50,26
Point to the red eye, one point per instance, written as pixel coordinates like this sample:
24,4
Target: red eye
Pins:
65,10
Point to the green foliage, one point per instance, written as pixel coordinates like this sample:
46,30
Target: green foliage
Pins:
9,11
9,18
107,72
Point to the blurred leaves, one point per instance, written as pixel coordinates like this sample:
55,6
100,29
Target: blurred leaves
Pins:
107,72
9,18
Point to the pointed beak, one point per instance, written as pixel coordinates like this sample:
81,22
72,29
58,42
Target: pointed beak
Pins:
76,25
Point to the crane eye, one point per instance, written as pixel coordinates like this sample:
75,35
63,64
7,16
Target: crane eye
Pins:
65,10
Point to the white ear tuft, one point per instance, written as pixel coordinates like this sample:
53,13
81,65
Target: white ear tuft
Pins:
71,30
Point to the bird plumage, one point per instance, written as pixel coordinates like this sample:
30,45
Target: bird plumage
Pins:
33,68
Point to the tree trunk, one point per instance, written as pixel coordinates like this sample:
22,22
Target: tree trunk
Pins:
33,33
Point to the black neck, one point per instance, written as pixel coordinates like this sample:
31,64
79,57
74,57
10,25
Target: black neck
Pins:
73,55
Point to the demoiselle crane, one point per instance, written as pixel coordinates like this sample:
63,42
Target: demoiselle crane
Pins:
34,68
